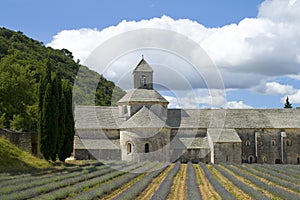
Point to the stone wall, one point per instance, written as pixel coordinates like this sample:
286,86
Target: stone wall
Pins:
192,155
24,140
227,152
268,147
133,143
97,154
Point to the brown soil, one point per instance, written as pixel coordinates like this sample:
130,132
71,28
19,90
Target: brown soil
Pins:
149,191
179,184
235,191
207,191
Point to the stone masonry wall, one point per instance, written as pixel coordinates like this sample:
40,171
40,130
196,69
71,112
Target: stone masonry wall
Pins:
269,146
21,139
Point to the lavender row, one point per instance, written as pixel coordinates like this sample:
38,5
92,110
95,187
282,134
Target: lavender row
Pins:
140,185
282,170
272,189
37,181
29,193
279,181
164,188
110,186
49,174
277,173
247,189
193,191
77,187
216,184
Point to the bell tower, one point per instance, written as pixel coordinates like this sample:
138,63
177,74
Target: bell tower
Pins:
143,76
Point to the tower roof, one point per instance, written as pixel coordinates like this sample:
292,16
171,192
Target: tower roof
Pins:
144,118
143,66
143,95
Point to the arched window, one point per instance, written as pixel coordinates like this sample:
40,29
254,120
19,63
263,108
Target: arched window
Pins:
273,143
264,159
261,143
250,159
144,80
129,148
298,160
227,158
288,142
247,143
147,148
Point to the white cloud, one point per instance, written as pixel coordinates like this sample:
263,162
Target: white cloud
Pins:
237,105
258,48
248,53
278,89
275,88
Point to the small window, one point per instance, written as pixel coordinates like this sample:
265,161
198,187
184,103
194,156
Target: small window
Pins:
298,160
261,143
143,81
273,143
247,143
264,159
124,109
227,158
147,148
288,142
250,159
129,148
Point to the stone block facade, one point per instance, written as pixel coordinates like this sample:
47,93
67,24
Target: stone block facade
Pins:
24,140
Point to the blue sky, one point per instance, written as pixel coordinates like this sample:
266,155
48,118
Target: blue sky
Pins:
254,45
43,19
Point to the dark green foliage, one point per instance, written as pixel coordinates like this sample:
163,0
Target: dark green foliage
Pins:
68,133
287,103
23,63
48,143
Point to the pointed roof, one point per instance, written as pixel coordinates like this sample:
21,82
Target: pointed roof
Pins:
143,66
144,118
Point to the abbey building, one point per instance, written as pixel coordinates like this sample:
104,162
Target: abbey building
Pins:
142,127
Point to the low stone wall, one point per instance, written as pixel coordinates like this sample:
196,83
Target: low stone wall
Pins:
23,140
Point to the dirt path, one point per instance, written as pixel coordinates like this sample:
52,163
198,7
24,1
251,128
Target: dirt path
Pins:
178,188
147,194
207,191
235,191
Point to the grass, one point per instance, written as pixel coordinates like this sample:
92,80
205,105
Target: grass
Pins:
13,158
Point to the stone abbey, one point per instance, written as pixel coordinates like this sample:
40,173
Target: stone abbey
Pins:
142,127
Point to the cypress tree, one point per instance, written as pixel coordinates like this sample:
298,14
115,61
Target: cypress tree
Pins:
67,147
61,113
55,117
287,103
44,80
46,141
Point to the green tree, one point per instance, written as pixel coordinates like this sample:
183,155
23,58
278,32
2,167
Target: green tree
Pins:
45,79
54,123
67,147
47,142
287,103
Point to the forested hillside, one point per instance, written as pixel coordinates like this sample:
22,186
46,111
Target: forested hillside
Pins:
22,62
